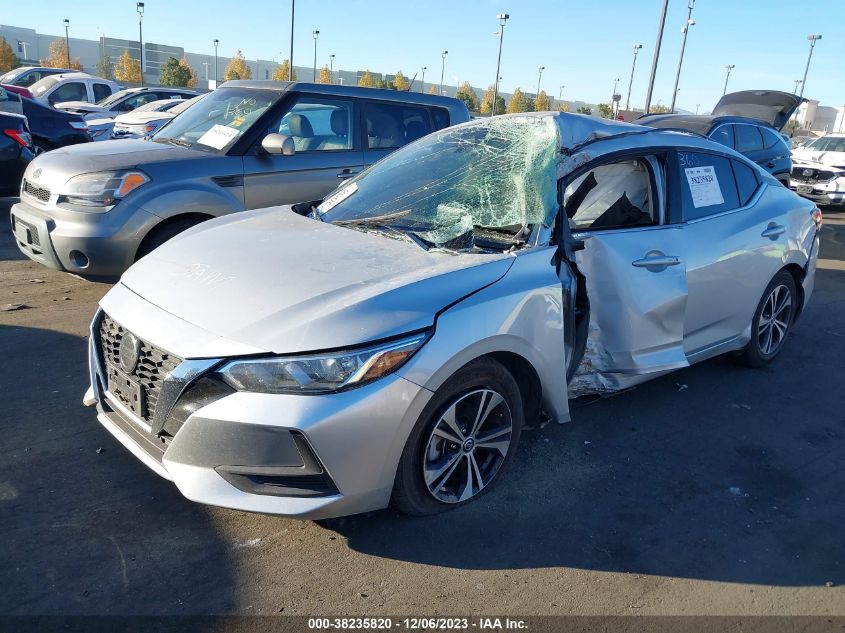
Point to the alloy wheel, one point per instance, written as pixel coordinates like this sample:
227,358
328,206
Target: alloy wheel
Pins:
774,321
467,446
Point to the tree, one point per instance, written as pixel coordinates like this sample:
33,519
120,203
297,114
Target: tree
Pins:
584,110
518,102
563,106
104,68
325,76
8,59
57,56
192,82
434,90
127,69
367,80
542,103
282,71
487,102
659,108
174,74
237,68
379,82
400,81
466,94
605,111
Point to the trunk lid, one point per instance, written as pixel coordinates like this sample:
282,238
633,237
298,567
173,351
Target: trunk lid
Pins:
769,106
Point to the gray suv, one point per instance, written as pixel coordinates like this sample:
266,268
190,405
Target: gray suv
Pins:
94,209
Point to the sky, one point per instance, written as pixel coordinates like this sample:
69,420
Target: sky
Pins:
583,44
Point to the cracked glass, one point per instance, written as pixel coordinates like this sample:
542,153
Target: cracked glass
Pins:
475,187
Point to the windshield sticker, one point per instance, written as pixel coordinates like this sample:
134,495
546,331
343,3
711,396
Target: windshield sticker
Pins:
336,198
704,186
218,136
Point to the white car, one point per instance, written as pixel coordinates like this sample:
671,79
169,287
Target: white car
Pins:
818,170
64,87
149,118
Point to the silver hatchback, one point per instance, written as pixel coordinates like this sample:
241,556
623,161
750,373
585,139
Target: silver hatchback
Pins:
391,346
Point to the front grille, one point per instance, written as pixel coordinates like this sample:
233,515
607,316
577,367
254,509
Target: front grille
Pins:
39,193
811,174
33,232
154,364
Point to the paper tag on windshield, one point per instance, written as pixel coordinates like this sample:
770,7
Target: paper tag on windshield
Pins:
218,136
336,198
704,186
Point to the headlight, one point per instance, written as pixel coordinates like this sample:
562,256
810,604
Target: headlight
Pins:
320,373
102,189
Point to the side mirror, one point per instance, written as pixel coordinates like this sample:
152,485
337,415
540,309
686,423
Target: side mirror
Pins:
278,144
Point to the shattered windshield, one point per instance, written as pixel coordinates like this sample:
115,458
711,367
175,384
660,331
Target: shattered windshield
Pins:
478,186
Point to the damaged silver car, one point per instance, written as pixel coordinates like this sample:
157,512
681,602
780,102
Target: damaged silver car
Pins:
390,346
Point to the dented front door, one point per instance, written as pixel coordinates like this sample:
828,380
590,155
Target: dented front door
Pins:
637,289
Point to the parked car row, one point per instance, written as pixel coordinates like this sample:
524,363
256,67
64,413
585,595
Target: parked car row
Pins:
410,288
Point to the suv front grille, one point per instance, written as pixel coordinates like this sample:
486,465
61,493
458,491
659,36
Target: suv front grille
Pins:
811,174
39,193
153,367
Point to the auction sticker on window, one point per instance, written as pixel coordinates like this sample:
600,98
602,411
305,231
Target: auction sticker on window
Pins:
218,136
336,198
704,186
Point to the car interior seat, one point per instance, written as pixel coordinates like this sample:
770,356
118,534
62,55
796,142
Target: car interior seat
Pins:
301,132
340,130
415,130
384,132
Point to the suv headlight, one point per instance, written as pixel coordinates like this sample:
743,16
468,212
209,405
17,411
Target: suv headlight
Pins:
320,373
102,189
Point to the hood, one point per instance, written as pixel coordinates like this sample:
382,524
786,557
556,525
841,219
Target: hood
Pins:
283,283
140,118
58,165
769,106
814,158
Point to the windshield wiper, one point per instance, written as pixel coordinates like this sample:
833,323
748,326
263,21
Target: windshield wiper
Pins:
176,142
375,219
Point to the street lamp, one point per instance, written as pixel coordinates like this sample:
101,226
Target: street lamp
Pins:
637,48
503,18
685,30
728,70
661,24
423,79
316,34
442,70
140,7
292,10
813,39
331,68
560,97
216,42
67,42
613,95
23,45
206,70
798,82
540,70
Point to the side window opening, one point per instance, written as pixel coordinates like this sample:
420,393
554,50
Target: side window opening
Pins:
391,125
724,134
748,139
746,181
616,195
707,184
318,125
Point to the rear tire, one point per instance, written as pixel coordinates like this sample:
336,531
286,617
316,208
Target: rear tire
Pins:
163,232
772,321
463,440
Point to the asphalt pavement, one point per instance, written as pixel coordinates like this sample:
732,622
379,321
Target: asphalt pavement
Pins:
714,490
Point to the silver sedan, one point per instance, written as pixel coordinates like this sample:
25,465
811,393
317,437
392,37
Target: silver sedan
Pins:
388,344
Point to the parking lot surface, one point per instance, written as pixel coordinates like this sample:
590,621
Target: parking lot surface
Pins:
714,490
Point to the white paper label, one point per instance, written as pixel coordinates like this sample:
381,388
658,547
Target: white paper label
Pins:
218,136
336,198
704,186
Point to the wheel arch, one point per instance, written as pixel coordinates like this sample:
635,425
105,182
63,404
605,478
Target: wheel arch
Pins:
166,224
798,274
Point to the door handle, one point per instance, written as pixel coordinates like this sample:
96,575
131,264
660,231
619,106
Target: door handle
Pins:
773,231
346,173
655,261
770,164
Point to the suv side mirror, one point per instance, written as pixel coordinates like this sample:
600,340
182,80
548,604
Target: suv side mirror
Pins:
278,144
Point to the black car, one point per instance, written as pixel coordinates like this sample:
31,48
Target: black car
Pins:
16,151
51,128
749,122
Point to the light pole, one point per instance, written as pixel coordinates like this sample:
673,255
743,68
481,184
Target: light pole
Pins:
685,30
503,18
316,34
442,70
216,42
798,82
540,70
637,48
23,45
728,69
813,39
331,68
661,23
67,42
292,8
206,70
697,106
423,79
560,96
613,95
140,7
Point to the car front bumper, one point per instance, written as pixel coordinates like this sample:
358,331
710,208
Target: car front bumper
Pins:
98,245
308,457
822,193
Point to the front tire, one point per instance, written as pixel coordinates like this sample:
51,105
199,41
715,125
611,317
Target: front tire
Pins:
464,439
772,321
